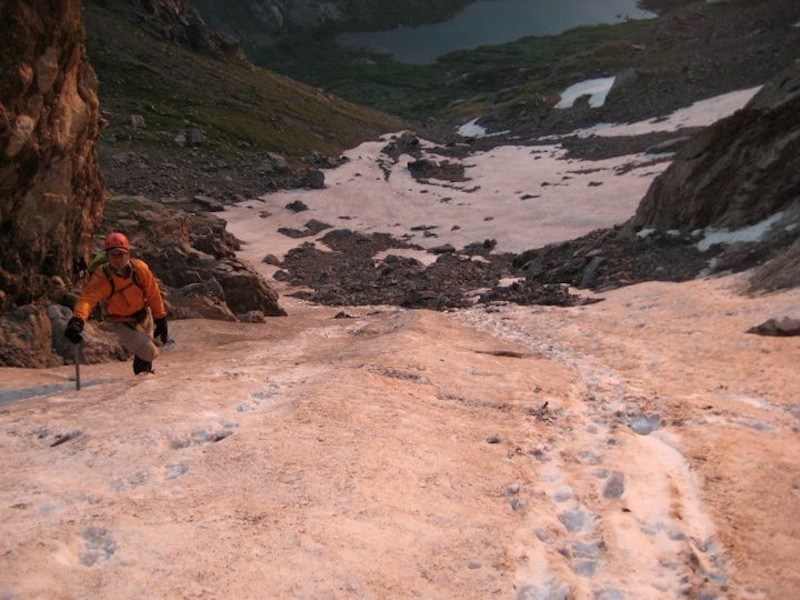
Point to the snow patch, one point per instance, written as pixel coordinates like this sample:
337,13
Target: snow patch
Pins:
754,233
597,89
699,114
472,129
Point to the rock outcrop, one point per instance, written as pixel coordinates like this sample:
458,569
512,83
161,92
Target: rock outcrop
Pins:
178,22
51,189
261,21
736,173
742,172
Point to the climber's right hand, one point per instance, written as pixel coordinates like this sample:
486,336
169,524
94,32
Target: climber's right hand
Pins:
74,330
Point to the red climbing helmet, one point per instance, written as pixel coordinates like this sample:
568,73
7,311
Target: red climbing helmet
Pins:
116,240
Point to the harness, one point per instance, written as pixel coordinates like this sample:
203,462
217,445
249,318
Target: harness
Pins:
136,280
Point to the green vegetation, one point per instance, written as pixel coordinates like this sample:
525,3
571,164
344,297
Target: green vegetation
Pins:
239,106
411,91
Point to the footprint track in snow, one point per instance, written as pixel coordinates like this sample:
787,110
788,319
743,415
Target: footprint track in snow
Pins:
623,528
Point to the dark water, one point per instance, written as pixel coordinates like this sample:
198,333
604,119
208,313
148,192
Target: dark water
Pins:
492,22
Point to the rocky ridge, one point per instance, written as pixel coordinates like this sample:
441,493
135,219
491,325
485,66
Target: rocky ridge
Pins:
256,22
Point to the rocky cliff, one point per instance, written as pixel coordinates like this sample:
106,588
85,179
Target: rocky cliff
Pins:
736,173
177,21
51,189
260,21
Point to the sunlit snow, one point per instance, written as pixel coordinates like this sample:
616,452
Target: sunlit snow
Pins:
521,196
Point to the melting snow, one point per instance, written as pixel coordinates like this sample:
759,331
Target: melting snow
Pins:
597,89
747,234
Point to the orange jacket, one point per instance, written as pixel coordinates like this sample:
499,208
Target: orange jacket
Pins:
127,299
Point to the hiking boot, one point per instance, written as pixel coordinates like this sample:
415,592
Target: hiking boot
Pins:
142,366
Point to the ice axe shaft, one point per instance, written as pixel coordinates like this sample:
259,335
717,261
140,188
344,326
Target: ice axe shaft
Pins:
77,366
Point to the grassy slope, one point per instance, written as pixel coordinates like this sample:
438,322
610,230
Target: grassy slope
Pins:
238,105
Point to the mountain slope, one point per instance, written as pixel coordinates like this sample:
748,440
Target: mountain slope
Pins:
694,50
240,111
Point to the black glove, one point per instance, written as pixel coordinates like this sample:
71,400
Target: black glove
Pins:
161,329
74,330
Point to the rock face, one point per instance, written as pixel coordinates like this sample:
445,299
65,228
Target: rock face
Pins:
742,172
736,173
51,189
262,20
177,21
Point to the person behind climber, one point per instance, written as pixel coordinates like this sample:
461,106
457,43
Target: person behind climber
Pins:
133,303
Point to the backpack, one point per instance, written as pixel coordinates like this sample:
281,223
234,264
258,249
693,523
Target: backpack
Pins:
100,261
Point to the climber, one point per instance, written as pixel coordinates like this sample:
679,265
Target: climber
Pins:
132,303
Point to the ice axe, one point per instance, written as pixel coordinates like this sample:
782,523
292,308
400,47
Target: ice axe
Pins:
78,365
